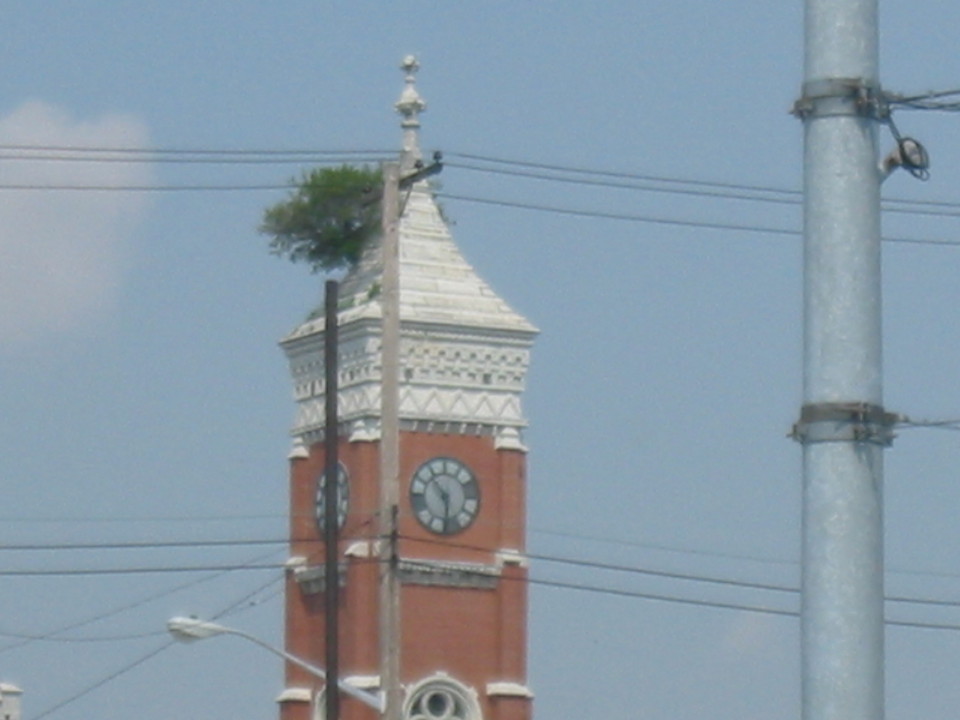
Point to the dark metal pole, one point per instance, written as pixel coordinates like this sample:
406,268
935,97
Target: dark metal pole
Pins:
331,499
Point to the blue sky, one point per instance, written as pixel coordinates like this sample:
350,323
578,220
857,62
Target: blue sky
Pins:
145,399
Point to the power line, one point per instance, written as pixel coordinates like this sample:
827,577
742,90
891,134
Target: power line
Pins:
621,216
147,188
596,214
215,153
766,230
664,598
735,556
358,535
529,169
51,635
103,681
918,624
139,570
662,547
700,602
199,160
731,193
128,667
737,190
146,545
136,518
674,575
779,197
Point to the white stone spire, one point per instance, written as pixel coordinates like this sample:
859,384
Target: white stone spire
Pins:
464,351
409,106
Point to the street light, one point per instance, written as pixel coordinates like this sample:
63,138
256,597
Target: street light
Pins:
188,629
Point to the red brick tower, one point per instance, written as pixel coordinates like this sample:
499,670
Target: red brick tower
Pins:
463,355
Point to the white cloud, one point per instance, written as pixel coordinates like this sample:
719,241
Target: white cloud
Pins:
62,251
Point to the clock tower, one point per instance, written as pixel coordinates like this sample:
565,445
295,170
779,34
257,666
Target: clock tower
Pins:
459,546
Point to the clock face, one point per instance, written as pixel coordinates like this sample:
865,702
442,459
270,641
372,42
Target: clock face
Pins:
445,495
343,497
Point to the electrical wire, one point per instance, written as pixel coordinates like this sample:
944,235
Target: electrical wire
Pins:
700,602
729,556
363,532
138,570
148,188
596,214
246,602
925,101
731,194
722,189
128,667
584,176
97,519
661,547
767,230
103,681
908,424
213,153
147,545
893,622
780,197
489,164
673,575
52,635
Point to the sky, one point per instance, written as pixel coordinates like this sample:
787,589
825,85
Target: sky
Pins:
146,405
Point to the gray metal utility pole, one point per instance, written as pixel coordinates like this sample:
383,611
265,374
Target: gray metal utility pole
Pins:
390,446
843,426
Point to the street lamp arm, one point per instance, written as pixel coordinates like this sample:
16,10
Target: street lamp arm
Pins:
187,629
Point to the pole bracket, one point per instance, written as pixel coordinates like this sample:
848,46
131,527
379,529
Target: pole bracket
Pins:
845,422
835,97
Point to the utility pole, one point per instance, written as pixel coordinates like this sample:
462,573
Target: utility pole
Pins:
390,446
331,497
409,106
843,426
389,555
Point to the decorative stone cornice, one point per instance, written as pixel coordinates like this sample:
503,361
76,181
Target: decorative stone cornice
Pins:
448,573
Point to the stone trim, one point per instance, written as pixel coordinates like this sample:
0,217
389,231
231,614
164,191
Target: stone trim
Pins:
509,689
509,557
363,682
295,694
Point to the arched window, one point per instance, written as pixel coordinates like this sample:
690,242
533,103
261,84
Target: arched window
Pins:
441,698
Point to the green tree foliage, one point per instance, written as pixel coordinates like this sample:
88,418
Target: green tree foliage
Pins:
327,219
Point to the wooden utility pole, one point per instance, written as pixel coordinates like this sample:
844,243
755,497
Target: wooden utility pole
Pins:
390,446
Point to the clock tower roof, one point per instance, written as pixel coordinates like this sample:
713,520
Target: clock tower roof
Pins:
464,351
437,285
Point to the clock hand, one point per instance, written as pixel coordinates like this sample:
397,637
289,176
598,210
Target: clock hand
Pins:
445,494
